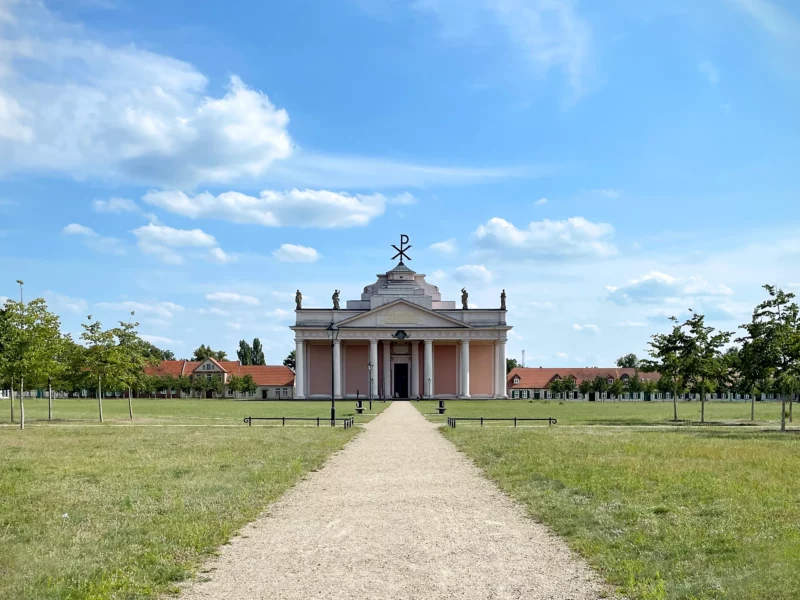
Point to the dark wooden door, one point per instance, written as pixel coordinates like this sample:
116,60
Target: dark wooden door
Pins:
401,381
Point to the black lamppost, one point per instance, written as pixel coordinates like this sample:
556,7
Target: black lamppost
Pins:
333,333
369,367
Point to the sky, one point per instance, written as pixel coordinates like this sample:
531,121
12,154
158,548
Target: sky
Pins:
607,164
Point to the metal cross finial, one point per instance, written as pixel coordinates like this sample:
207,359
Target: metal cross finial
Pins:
401,251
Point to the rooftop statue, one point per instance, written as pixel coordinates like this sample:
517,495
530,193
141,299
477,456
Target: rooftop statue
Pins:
335,299
464,299
298,300
503,300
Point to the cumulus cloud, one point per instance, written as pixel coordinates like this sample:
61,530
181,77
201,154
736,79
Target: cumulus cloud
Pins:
541,202
656,288
115,205
93,240
164,310
81,107
157,339
293,208
167,243
445,247
587,329
61,302
473,274
404,199
232,298
295,253
572,238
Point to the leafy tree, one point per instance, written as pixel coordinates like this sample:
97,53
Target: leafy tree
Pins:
585,387
511,364
31,342
600,385
131,356
567,385
200,385
664,359
629,361
235,385
205,352
184,384
102,359
258,353
290,361
649,387
556,385
215,385
634,384
617,388
245,353
248,384
154,353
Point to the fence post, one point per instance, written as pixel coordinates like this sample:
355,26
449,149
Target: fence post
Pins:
515,421
317,421
481,421
283,421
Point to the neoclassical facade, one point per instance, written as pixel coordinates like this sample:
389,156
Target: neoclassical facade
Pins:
402,341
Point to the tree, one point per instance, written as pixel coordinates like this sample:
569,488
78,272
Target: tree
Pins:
773,343
258,353
616,388
102,358
200,385
567,385
664,359
699,355
511,364
184,384
132,357
629,361
649,387
245,353
215,385
289,361
585,387
153,352
600,385
31,341
205,352
248,384
235,385
634,384
556,385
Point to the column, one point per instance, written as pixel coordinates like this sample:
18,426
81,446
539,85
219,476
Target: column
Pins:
428,375
500,369
299,370
415,369
337,369
387,369
465,369
373,358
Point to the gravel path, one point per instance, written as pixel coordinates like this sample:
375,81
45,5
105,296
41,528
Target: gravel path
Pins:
399,513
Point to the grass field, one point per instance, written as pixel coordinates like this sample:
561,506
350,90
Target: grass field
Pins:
183,411
607,413
663,514
91,512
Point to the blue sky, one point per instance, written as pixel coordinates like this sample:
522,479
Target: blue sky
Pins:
608,164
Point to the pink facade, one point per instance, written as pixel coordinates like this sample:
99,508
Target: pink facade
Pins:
356,373
319,368
445,381
481,369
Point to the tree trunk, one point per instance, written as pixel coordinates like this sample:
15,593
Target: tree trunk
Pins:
783,412
12,399
130,404
49,399
752,405
21,403
675,403
100,397
791,403
702,403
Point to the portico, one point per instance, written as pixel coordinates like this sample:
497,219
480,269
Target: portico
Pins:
419,346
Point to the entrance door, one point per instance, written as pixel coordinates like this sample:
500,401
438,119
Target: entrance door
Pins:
401,381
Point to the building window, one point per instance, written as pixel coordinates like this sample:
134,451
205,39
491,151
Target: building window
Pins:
610,380
515,394
285,392
516,380
525,394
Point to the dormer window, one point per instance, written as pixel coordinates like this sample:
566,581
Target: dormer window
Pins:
516,380
610,380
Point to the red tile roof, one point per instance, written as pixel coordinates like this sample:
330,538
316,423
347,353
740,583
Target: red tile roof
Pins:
268,374
539,378
263,375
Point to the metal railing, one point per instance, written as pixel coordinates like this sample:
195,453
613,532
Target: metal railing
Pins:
451,421
347,422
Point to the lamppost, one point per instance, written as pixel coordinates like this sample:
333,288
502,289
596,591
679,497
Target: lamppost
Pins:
20,282
369,367
333,333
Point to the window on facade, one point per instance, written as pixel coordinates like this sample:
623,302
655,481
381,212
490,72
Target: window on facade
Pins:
285,392
516,380
208,375
515,394
524,393
610,380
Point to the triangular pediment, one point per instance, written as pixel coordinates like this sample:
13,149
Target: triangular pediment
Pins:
401,314
209,365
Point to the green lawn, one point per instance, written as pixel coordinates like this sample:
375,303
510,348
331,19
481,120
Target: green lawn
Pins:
607,413
180,411
91,512
663,514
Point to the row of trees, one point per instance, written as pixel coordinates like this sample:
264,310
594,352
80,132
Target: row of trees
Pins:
251,355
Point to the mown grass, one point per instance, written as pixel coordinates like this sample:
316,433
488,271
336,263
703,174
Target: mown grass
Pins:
607,413
187,411
663,514
91,512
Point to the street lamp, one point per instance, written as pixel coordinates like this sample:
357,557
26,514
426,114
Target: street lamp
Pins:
20,282
369,367
333,332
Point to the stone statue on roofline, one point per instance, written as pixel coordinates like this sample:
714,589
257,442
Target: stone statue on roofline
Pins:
503,300
464,299
335,299
298,300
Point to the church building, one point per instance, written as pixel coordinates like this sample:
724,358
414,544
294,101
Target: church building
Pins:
400,340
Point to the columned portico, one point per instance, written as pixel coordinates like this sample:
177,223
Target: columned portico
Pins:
399,317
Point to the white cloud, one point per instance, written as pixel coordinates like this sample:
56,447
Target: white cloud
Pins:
629,324
573,238
445,247
165,243
656,288
404,199
234,325
438,276
542,305
219,256
60,302
609,192
294,208
295,253
165,310
157,339
232,298
3,300
562,354
587,329
279,313
473,274
540,202
710,71
115,205
84,108
550,34
94,240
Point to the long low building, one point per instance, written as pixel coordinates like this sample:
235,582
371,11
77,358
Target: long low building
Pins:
535,382
272,381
